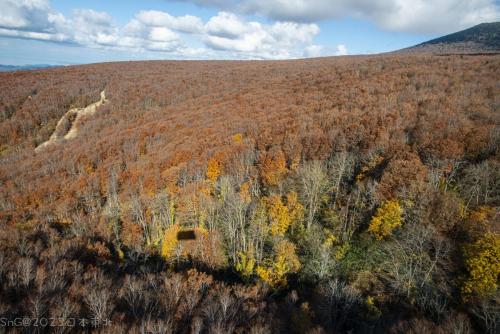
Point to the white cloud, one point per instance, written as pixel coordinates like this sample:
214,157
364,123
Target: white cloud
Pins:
341,50
25,14
162,34
42,36
290,33
228,32
159,31
91,28
186,24
139,36
442,16
31,19
226,25
417,16
150,30
225,35
313,51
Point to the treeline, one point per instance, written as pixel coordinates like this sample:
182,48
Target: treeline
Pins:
334,195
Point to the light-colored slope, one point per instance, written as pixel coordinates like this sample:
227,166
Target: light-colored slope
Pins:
74,117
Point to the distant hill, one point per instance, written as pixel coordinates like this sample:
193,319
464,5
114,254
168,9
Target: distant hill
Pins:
8,68
483,38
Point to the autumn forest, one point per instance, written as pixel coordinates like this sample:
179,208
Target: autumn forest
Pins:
332,195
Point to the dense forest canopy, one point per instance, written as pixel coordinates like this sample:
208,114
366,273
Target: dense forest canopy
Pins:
330,195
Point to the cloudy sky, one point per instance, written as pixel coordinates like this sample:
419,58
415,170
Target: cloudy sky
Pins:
83,31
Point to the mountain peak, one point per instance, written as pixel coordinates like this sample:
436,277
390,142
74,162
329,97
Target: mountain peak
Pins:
484,37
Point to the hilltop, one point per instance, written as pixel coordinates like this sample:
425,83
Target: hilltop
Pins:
484,37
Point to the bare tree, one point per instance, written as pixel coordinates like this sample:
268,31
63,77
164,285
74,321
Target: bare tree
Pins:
480,183
133,294
79,224
157,326
319,263
233,221
98,299
357,203
23,246
313,180
415,261
25,271
112,210
62,312
162,215
196,325
338,301
226,301
340,166
487,310
137,210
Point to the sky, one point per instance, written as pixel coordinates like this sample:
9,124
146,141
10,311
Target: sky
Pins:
64,32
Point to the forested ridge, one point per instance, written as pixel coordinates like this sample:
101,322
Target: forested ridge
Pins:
332,195
481,38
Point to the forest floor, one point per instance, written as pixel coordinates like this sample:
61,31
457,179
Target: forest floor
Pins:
67,126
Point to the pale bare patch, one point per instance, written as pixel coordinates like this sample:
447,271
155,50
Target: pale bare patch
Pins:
72,118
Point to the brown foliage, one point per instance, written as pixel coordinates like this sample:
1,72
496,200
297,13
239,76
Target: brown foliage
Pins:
215,138
165,119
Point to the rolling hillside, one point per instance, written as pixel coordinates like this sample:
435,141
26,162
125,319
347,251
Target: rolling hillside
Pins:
330,195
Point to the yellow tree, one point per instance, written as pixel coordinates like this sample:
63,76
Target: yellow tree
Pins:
279,216
284,262
295,209
386,219
246,264
214,169
482,260
170,241
238,138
